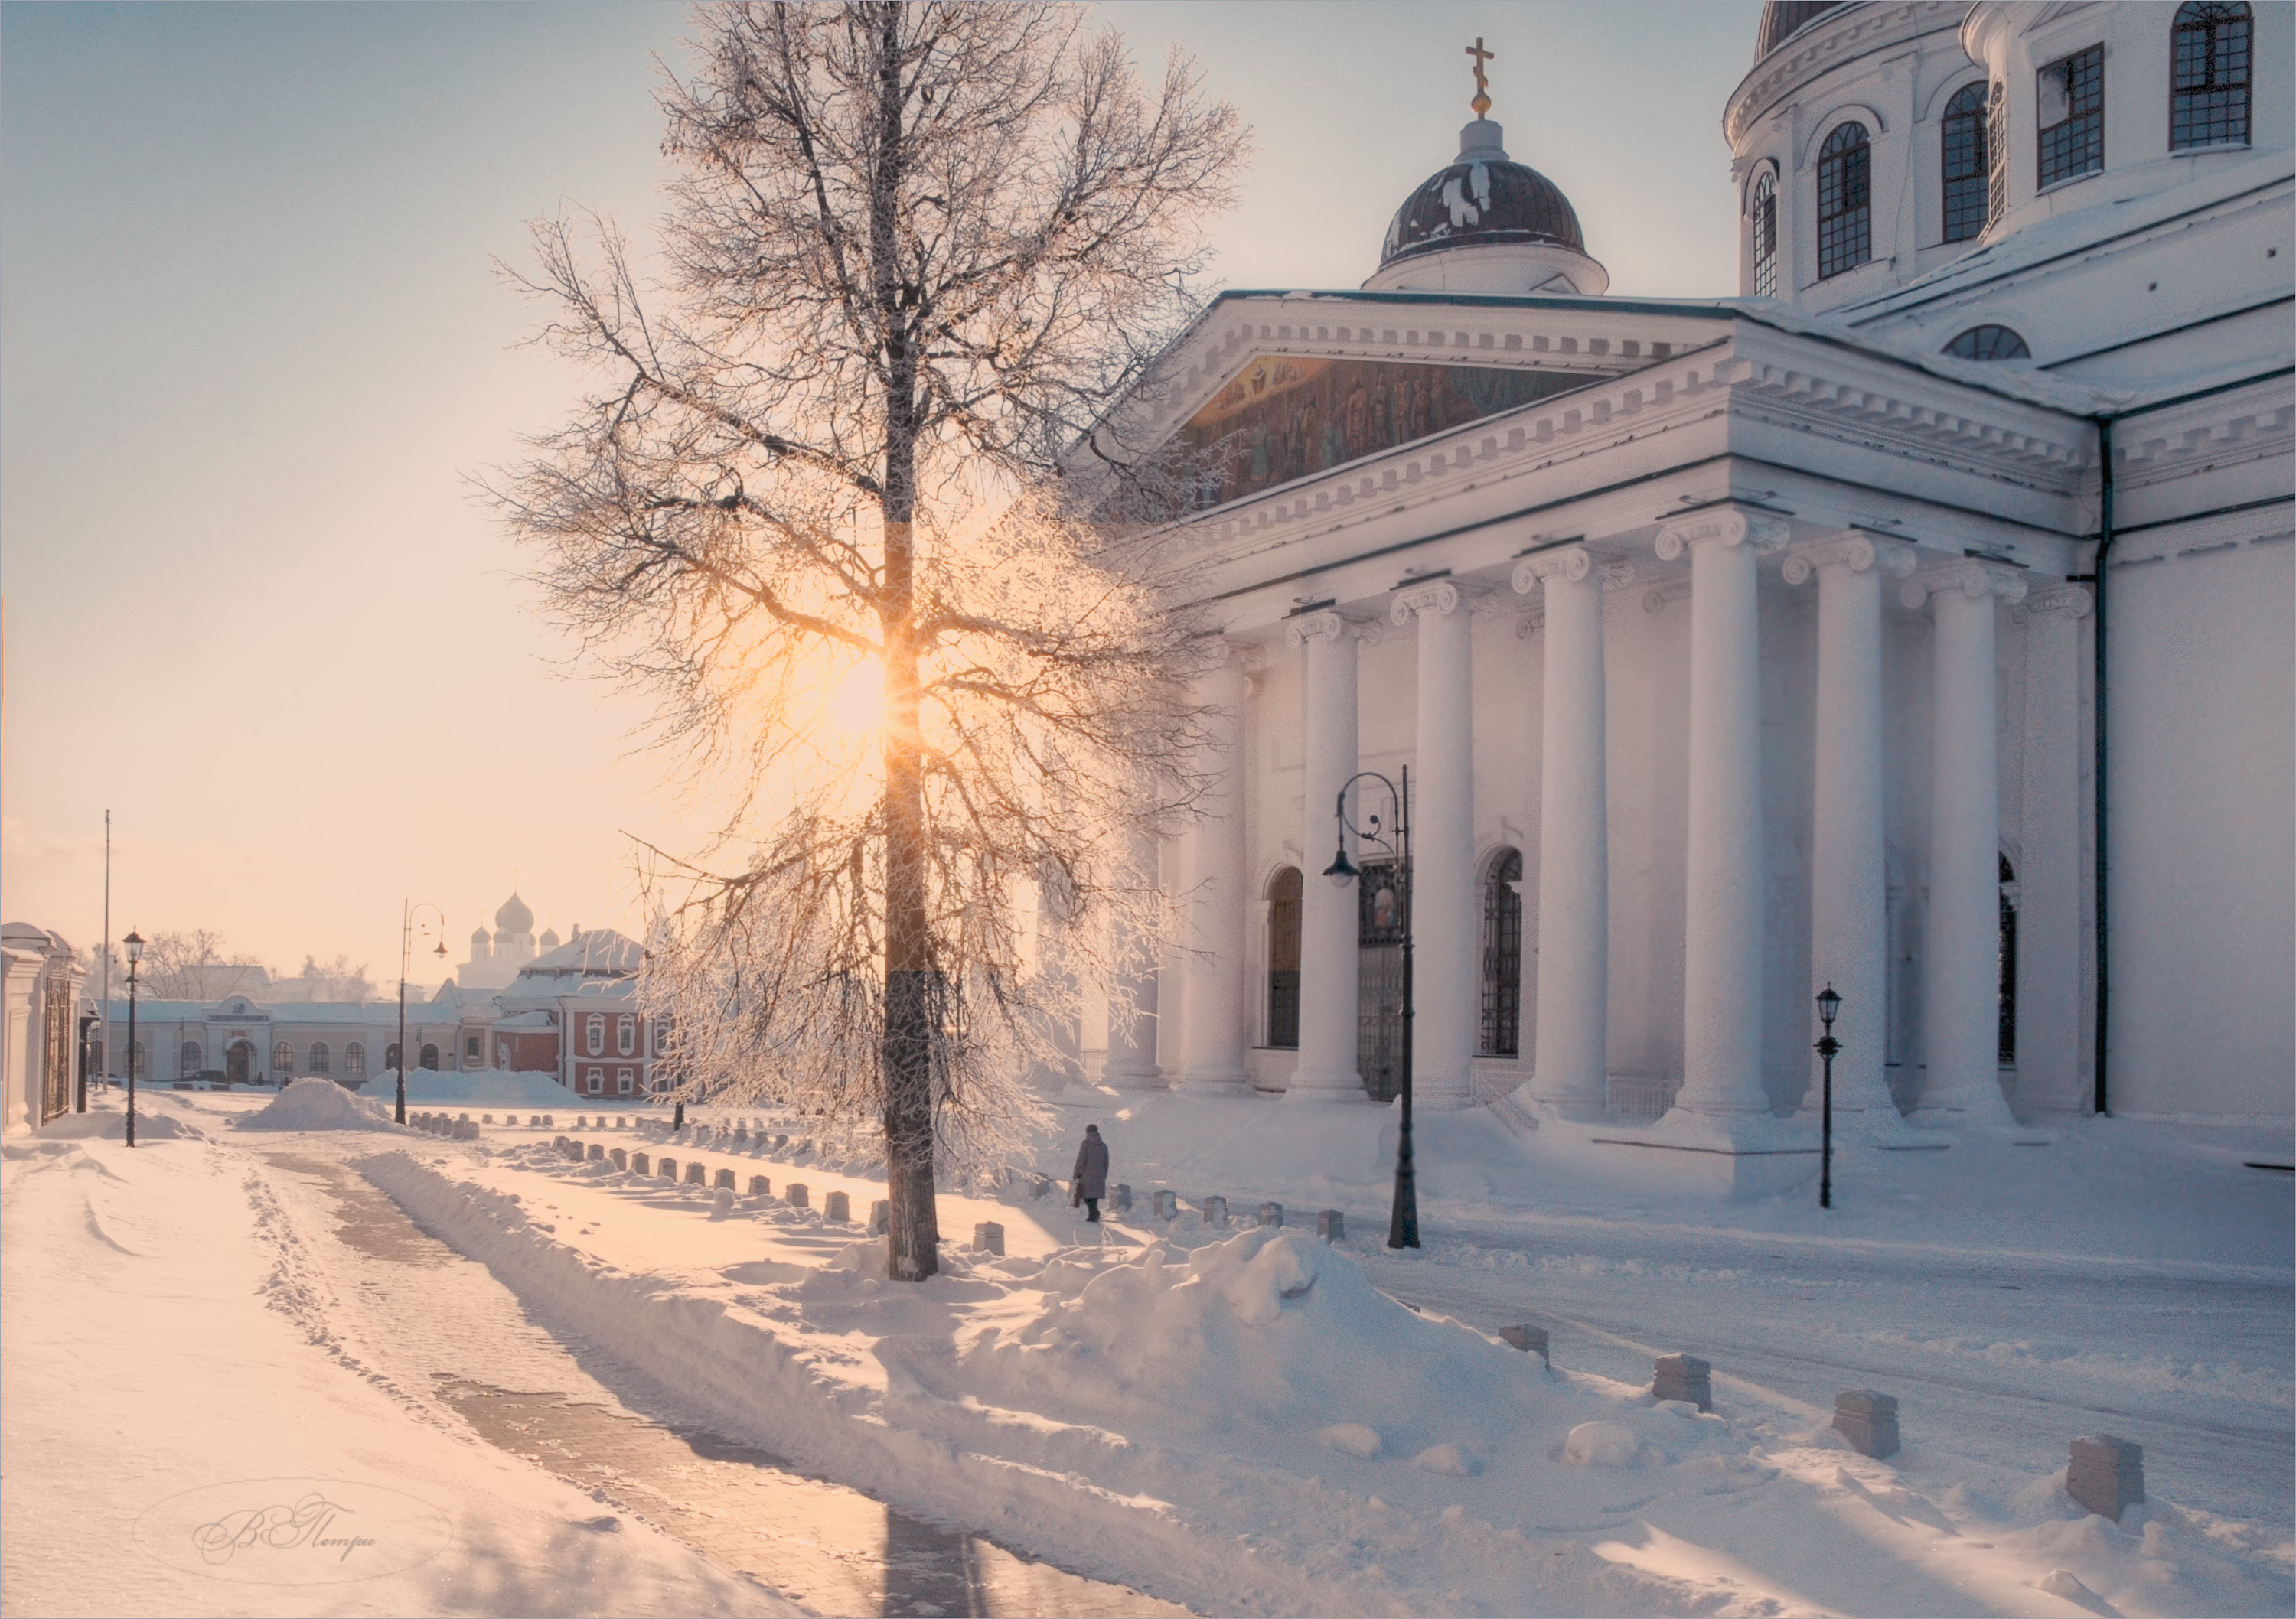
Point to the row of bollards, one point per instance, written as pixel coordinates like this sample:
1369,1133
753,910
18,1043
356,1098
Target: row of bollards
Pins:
439,1125
836,1207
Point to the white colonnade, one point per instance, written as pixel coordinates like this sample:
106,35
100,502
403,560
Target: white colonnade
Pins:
1444,920
1328,930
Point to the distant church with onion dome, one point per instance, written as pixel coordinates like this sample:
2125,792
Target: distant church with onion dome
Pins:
1910,619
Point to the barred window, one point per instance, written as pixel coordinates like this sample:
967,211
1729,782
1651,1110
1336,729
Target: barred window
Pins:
1765,221
355,1058
2071,117
1845,201
1989,343
2208,97
321,1058
1997,152
282,1058
1502,1034
1968,167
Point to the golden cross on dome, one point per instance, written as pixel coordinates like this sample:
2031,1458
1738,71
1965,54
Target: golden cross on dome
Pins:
1482,101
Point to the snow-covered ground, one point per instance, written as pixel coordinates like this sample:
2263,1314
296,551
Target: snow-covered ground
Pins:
1247,1420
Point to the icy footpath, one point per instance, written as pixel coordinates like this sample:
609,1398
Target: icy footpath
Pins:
1250,1426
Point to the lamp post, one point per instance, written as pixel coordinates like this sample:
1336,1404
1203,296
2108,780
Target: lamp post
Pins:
405,951
1829,1007
135,943
1403,1220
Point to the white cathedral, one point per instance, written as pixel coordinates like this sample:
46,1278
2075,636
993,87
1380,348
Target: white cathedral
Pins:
1918,622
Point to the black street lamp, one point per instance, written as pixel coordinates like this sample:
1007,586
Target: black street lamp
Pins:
135,943
1829,1007
405,953
1403,1222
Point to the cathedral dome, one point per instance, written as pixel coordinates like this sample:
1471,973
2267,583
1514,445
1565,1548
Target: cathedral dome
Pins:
514,917
1781,19
549,940
478,937
1484,199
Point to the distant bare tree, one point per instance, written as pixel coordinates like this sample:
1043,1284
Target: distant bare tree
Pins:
915,251
335,980
191,965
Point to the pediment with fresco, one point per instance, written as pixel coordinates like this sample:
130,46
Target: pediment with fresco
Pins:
1288,416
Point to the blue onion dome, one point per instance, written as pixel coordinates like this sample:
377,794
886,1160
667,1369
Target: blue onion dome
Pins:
1781,19
514,917
1484,199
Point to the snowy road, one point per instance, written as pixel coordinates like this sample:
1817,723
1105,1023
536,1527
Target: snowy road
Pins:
445,1325
1999,1360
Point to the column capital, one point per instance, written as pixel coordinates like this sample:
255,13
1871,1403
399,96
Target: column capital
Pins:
2073,600
1572,563
1721,526
1437,596
1970,575
1328,625
1855,550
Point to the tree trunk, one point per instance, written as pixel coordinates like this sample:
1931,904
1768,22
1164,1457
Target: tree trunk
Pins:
913,1242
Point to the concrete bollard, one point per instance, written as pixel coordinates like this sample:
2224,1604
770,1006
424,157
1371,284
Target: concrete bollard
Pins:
669,1169
597,1152
695,1173
618,1158
1215,1211
1868,1420
839,1208
1331,1225
989,1238
760,1187
1271,1214
1165,1204
726,1180
486,1118
881,1218
799,1195
548,1123
1684,1377
2106,1475
1530,1339
1122,1202
640,1165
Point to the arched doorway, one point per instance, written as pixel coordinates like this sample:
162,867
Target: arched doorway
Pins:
1501,1030
239,1062
429,1058
1283,959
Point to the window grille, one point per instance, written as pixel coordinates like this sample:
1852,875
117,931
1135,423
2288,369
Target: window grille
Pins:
355,1058
1845,201
2071,117
1968,171
2209,88
282,1058
1502,1034
1989,343
1766,235
322,1058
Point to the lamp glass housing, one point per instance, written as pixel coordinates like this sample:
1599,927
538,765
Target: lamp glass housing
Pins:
1342,872
1829,1004
135,943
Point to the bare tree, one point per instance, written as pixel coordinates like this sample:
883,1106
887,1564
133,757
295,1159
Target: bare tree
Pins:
191,965
916,252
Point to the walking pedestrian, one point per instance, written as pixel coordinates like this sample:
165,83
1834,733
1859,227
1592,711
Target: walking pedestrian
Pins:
1090,1184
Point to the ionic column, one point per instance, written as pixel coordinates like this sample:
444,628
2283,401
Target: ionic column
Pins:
1446,983
1328,931
1961,977
1722,943
1132,1016
2050,874
1850,946
1571,1065
1213,878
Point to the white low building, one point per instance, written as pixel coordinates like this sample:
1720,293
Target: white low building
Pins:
41,1015
1737,648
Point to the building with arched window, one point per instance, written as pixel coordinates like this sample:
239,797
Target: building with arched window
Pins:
1736,647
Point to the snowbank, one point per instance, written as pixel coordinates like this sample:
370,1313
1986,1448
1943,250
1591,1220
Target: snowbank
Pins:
110,1123
1252,1427
481,1087
316,1104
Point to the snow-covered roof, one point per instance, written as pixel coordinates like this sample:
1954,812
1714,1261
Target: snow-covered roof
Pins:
601,953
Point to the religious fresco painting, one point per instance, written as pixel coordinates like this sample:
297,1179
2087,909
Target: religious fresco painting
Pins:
1285,417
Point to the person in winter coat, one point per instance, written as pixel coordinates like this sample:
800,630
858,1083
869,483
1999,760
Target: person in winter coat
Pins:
1090,1184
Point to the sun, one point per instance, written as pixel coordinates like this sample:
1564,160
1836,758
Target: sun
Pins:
857,706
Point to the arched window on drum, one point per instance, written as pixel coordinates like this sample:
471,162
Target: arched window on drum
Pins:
1845,201
1502,1021
2212,48
1762,225
1968,165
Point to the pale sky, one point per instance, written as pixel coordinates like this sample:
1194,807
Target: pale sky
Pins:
252,350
